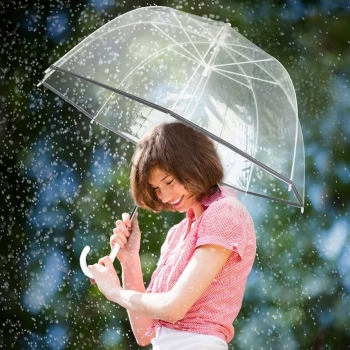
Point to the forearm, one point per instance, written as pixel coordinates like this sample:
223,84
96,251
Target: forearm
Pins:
148,305
141,305
132,279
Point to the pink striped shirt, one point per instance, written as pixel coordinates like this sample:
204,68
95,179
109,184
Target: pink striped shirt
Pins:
225,222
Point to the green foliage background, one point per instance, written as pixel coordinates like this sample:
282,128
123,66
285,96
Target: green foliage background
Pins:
64,182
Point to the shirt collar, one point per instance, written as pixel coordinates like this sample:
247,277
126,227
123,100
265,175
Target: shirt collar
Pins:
213,197
206,201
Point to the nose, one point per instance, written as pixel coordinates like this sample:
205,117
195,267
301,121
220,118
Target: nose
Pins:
164,195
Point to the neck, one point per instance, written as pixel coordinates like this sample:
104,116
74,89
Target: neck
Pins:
198,210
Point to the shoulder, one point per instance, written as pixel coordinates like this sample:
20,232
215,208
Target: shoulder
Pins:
226,222
227,211
226,203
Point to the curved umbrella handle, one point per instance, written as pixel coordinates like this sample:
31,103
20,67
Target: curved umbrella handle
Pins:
82,260
86,251
112,254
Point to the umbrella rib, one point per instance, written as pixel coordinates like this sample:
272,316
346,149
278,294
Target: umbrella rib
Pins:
245,76
231,45
184,89
189,58
243,62
296,193
103,106
228,77
284,201
176,43
194,94
295,147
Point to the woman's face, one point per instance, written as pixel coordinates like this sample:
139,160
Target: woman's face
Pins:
170,191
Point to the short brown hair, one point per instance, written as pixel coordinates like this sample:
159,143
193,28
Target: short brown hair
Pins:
179,150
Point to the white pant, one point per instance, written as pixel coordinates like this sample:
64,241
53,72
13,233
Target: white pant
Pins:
170,339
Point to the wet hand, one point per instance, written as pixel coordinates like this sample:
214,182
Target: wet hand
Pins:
127,235
105,276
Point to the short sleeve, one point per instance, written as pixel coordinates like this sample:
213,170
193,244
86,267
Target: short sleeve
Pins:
223,224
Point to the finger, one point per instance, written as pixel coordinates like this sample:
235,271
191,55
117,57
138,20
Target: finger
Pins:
126,220
112,239
121,240
102,260
114,236
106,261
122,227
125,217
120,231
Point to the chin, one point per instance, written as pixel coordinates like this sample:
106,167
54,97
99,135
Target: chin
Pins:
181,210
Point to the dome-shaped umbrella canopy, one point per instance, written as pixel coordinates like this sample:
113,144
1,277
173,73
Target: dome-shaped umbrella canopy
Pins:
157,64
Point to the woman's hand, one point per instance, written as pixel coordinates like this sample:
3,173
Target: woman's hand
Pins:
105,277
127,234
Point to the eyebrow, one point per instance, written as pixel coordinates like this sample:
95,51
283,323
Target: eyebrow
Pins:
164,178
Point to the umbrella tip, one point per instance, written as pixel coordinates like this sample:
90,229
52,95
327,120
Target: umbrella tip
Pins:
302,210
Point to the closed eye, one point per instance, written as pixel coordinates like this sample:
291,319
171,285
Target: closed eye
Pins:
168,183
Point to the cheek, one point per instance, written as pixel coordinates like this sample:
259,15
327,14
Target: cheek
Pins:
185,191
182,189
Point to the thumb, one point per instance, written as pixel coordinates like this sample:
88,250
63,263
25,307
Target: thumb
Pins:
135,220
129,223
126,220
106,261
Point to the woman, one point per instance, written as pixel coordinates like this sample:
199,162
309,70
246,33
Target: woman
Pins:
197,288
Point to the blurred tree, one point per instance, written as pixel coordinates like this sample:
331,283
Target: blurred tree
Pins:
64,183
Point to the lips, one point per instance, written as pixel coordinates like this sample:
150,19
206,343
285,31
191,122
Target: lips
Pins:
176,201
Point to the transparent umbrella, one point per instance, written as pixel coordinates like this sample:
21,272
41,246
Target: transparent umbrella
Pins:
158,64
